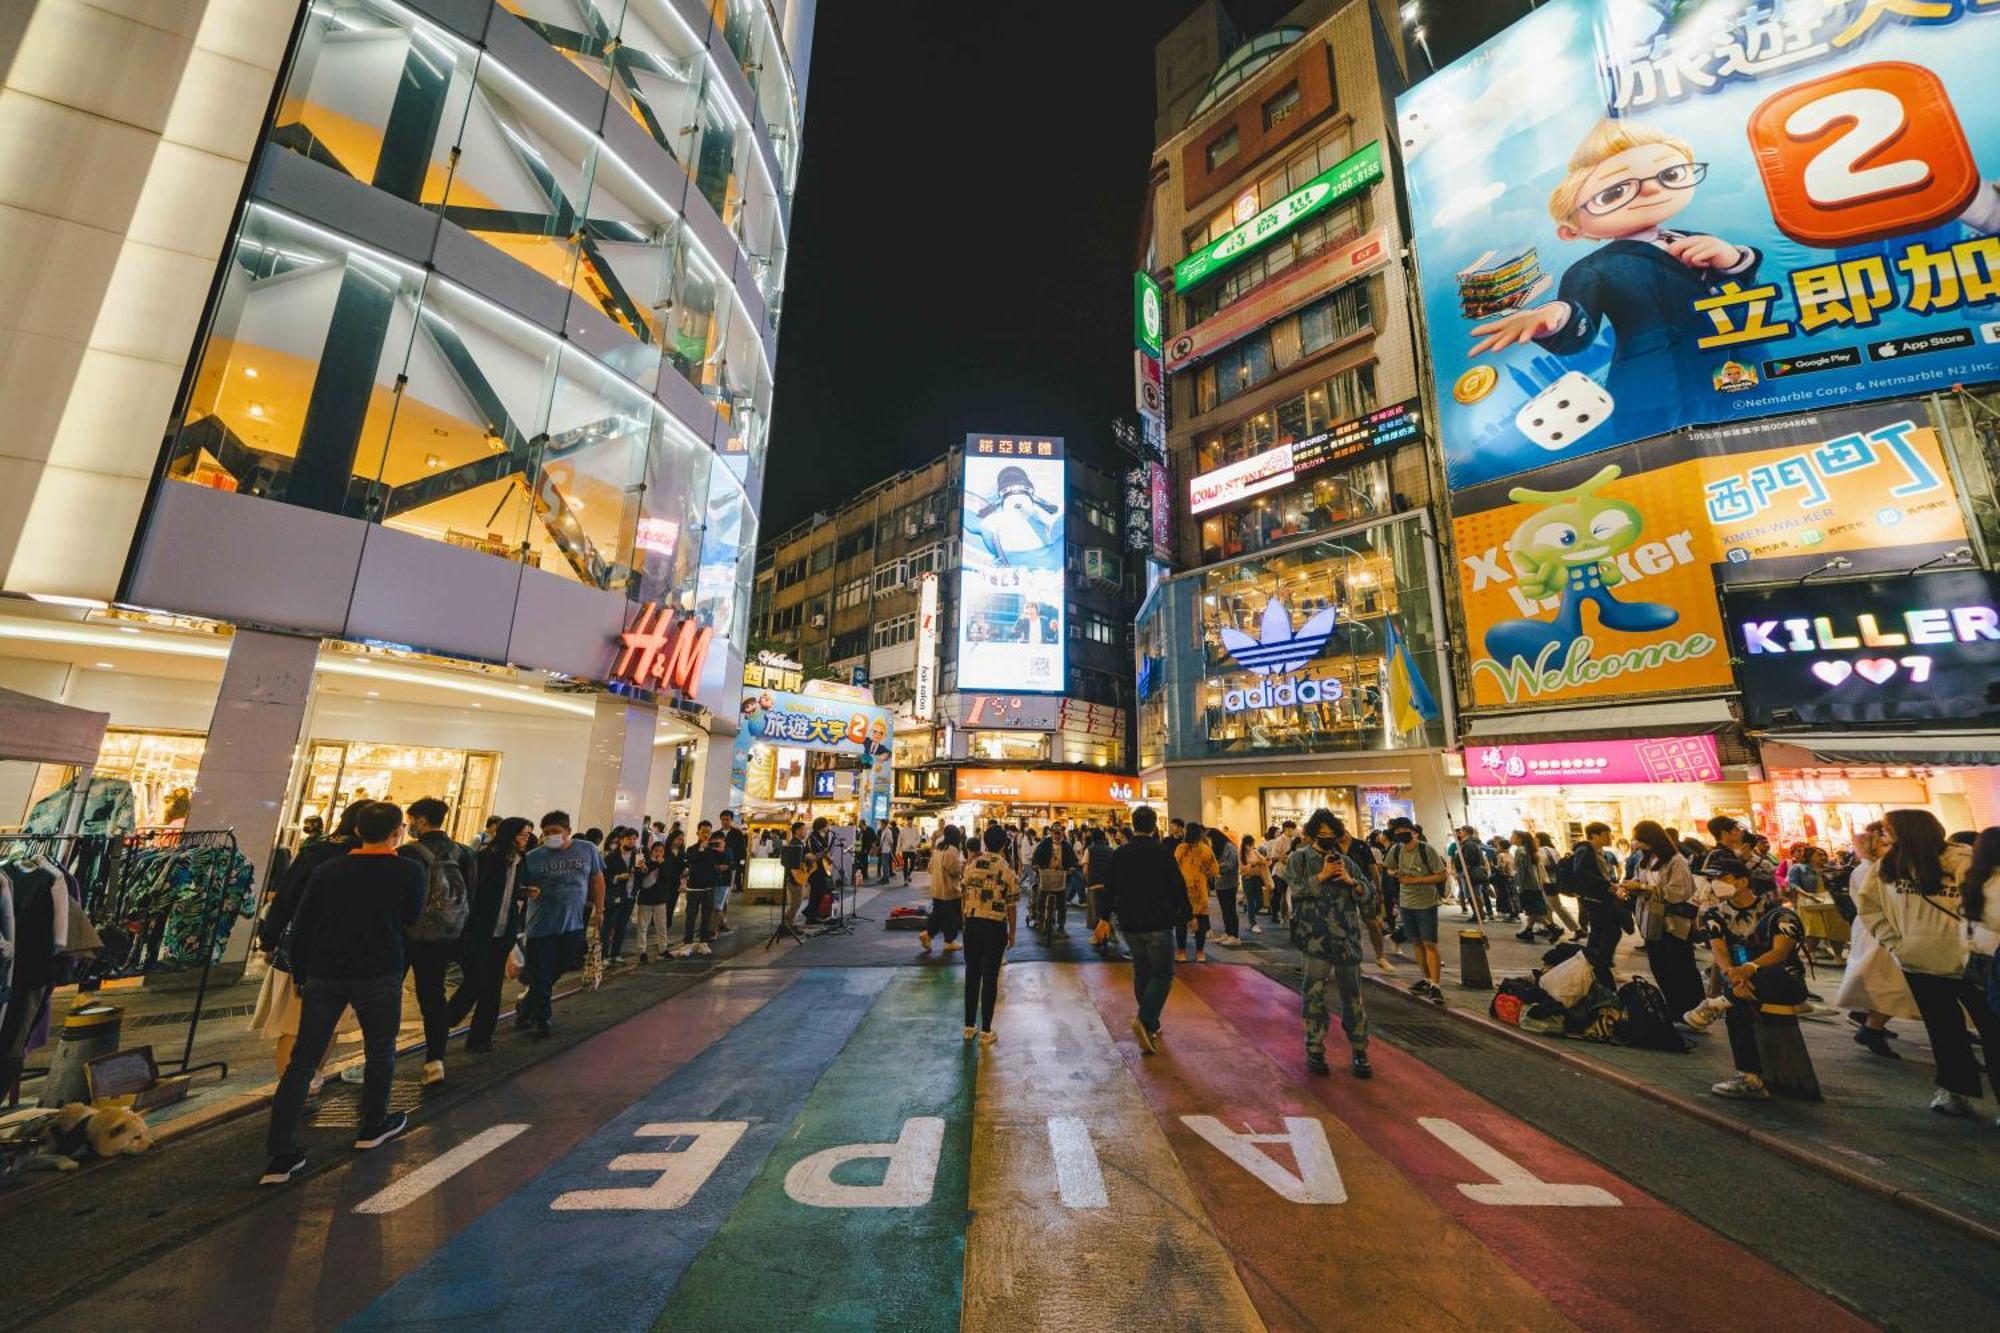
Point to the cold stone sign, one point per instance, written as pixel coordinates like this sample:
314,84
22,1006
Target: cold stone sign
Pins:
1907,648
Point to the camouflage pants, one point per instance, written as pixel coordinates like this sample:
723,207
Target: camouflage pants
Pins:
1321,974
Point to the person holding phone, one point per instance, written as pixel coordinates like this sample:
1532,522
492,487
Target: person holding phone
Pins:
1329,897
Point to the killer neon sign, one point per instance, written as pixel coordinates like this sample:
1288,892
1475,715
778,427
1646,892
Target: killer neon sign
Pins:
1925,627
662,651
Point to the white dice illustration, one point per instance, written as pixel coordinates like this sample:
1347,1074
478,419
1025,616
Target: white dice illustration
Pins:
1565,412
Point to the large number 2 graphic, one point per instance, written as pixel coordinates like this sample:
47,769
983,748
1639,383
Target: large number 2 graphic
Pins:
1863,154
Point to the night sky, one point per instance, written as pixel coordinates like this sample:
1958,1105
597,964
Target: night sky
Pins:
966,227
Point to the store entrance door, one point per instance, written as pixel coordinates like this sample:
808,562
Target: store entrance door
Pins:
341,772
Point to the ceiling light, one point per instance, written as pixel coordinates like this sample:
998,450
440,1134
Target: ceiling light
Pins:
374,694
250,372
479,705
257,410
106,666
130,629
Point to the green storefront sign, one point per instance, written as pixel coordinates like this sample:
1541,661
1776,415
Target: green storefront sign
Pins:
1314,197
1148,319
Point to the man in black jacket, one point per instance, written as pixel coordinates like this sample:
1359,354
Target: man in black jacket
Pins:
1587,878
347,947
1146,896
430,959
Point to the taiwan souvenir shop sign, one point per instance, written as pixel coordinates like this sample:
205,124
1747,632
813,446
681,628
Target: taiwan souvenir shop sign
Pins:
1915,648
1580,763
1596,578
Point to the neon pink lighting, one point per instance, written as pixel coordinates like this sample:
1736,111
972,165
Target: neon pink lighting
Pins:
1577,763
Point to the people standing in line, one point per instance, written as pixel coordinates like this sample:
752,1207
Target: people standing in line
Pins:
990,892
279,1001
347,948
621,891
707,868
1755,942
1330,897
1588,876
1914,904
947,889
659,893
1420,878
434,940
1551,862
1873,989
1256,873
1664,885
1532,883
1198,872
737,844
1096,871
1145,897
564,881
491,926
1228,870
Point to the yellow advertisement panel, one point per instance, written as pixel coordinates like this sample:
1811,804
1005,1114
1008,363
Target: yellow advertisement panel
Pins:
1596,579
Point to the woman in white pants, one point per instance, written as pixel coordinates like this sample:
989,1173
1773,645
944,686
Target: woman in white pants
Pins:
1874,985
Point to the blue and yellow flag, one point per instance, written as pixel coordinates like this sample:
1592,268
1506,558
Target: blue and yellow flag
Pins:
1410,701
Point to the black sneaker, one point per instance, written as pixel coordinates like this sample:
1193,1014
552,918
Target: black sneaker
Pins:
1876,1040
282,1168
479,1048
1528,935
1316,1064
1362,1069
376,1136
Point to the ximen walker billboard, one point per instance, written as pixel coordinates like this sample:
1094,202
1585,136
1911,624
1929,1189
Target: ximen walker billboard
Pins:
1632,217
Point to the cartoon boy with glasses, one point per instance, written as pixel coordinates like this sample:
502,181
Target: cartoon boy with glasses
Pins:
1625,182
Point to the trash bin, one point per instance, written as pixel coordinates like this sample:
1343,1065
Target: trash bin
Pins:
1473,972
89,1030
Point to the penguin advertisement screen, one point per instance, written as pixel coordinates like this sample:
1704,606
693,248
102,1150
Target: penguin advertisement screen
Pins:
1011,602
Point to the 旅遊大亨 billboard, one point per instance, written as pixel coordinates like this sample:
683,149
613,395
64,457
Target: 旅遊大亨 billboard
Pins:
1011,598
1631,217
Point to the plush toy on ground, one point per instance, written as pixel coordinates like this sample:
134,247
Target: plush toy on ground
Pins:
61,1140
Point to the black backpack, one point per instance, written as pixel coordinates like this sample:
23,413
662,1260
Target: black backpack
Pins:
447,899
1645,1019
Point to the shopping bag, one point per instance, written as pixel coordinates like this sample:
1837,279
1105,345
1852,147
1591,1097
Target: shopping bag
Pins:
516,960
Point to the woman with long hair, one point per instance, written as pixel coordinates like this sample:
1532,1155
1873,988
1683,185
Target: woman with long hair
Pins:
1665,884
1531,887
276,1012
1914,904
1872,989
947,876
493,919
1198,871
1228,869
1256,873
659,894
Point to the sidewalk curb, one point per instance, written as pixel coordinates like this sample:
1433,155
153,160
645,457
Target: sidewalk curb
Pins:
1914,1202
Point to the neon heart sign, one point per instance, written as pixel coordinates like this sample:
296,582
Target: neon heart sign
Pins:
1833,673
1874,670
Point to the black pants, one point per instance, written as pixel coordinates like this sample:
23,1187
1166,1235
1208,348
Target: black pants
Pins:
1601,920
1227,897
1672,961
946,914
700,904
617,916
1200,924
548,957
483,968
378,1006
1278,899
1944,1003
1770,985
985,950
429,960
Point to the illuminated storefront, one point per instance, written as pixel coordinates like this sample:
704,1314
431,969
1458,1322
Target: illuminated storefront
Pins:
1559,787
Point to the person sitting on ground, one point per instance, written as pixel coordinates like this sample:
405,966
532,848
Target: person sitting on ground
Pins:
1755,942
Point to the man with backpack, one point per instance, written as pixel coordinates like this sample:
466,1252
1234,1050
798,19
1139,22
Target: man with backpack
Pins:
432,941
1475,873
1330,895
1421,875
1587,877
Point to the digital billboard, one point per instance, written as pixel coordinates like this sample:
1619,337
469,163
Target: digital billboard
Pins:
1631,218
1011,597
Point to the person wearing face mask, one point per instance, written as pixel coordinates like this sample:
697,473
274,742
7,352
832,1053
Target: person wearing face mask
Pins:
1330,895
1420,878
564,880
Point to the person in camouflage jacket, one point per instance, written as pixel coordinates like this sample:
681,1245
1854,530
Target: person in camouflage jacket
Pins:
1330,900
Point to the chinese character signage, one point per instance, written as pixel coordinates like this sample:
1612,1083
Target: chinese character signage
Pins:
1149,324
769,670
783,721
1909,648
1011,597
1596,578
1317,195
1351,441
1631,218
1580,763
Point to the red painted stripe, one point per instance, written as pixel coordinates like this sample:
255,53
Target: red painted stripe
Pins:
1386,1257
1607,1268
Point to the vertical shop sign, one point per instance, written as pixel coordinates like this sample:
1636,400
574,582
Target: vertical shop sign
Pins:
1148,315
927,645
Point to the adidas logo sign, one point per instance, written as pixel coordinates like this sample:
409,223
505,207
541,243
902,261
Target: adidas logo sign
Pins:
1279,651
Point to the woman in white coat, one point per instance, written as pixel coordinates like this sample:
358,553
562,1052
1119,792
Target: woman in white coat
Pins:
1874,985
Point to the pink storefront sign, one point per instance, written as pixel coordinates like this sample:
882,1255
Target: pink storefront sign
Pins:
1574,763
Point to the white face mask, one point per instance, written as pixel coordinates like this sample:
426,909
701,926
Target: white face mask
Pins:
556,841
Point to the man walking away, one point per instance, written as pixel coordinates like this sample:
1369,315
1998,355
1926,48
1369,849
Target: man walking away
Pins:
990,893
1096,870
947,881
1420,878
1586,875
1475,874
1146,898
498,907
435,938
707,867
565,883
347,949
1329,896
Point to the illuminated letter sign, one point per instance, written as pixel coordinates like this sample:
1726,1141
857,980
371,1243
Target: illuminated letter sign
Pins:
924,705
1148,319
662,651
1309,200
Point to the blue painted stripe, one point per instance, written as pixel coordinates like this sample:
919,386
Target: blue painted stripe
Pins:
526,1266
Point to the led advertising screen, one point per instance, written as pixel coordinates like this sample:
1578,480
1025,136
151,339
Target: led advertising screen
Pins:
1631,218
1011,600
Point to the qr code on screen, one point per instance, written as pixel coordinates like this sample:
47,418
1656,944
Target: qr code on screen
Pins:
1039,667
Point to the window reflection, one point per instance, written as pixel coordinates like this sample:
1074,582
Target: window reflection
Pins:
1326,501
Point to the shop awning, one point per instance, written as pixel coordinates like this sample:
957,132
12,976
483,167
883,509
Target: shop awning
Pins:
1661,717
1933,748
42,731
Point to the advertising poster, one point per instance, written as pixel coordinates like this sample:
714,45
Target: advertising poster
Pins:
1632,217
777,728
1597,578
1011,597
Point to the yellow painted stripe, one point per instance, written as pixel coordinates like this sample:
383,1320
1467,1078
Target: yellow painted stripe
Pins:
1150,1258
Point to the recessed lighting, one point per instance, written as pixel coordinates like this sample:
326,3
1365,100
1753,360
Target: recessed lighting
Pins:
106,666
374,694
250,372
479,705
257,410
129,629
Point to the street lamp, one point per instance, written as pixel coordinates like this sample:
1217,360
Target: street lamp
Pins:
1418,33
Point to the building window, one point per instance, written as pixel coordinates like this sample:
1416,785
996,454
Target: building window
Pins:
852,643
1221,148
896,629
1097,514
852,593
791,573
1333,318
888,577
1282,105
920,563
854,543
822,558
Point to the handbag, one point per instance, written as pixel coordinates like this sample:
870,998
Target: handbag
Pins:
517,959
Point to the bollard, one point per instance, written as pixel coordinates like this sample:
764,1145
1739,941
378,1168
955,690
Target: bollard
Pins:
1473,972
88,1031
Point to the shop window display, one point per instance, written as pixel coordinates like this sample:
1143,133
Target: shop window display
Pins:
339,773
1323,503
159,767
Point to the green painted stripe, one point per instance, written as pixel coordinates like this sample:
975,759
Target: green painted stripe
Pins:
781,1264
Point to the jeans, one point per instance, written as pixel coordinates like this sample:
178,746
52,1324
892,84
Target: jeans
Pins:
1227,898
1152,972
548,957
700,903
1200,923
650,924
617,915
1346,979
1253,901
1278,898
429,959
1421,924
985,950
1601,918
483,966
378,1005
1944,1003
946,913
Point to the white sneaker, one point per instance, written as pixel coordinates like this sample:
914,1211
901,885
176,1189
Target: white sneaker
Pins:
1384,965
1743,1088
433,1072
703,950
1705,1013
1256,930
1947,1102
